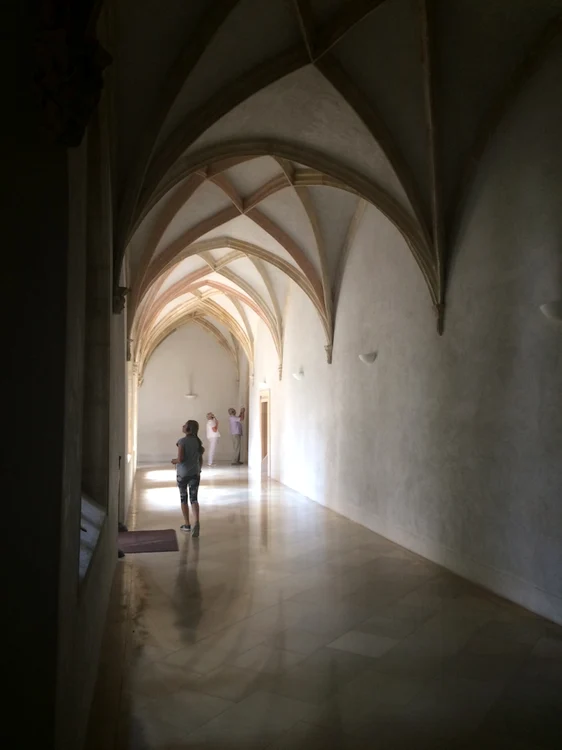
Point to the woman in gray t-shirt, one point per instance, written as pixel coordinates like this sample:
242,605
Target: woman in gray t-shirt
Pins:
188,473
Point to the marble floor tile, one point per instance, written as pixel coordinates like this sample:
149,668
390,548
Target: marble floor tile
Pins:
481,740
286,626
299,641
303,685
235,639
158,678
185,709
244,605
383,689
411,658
199,659
387,627
305,736
365,644
233,683
395,734
267,659
371,694
528,710
269,710
450,706
549,647
337,665
338,621
147,734
475,666
525,631
228,733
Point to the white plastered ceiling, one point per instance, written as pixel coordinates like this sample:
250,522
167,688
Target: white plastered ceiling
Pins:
250,144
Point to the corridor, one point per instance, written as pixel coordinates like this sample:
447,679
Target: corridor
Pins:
334,227
286,626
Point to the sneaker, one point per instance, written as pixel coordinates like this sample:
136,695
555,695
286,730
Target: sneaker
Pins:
195,531
186,528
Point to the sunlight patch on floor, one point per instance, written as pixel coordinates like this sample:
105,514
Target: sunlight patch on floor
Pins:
161,475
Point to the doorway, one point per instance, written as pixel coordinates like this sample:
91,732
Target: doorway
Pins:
264,431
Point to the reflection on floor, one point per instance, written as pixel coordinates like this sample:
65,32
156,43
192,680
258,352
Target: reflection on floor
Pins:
285,626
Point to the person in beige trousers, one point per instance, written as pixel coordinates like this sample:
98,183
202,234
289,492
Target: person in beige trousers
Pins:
236,433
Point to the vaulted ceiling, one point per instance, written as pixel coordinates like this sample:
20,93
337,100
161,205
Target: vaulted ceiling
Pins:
228,242
251,136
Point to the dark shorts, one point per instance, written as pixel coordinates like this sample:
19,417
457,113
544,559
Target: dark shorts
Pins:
191,484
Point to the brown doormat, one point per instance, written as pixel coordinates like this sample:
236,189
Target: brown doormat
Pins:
148,541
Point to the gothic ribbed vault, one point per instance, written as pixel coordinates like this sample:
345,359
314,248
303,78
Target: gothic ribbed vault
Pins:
245,161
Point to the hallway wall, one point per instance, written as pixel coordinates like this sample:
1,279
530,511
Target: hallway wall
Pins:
449,446
190,357
94,412
55,622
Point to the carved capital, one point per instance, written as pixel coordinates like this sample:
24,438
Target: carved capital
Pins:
69,65
281,371
119,299
328,349
440,312
137,373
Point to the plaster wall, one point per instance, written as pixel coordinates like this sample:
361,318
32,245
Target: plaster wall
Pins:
449,446
94,420
56,622
35,312
54,626
192,359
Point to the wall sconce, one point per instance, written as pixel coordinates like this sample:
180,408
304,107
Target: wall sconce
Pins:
368,358
552,310
191,395
299,375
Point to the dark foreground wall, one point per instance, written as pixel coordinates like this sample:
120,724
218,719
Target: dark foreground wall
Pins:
53,621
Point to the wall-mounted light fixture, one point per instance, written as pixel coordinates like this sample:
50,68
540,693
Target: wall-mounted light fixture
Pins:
190,396
368,358
552,310
299,375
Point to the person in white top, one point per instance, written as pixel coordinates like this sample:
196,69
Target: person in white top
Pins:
213,436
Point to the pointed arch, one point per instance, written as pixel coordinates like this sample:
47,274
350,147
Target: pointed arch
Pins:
327,171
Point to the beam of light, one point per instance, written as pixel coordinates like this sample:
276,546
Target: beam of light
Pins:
161,475
163,497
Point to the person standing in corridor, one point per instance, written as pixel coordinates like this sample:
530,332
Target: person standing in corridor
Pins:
188,473
213,436
236,433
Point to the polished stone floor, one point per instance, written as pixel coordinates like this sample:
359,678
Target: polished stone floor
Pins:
285,626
